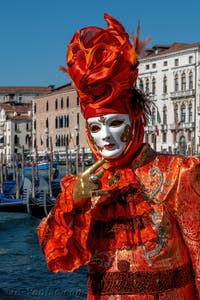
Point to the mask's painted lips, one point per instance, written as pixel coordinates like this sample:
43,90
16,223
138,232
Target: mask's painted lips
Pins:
109,146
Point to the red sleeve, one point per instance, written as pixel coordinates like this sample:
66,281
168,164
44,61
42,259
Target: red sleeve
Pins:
63,233
188,211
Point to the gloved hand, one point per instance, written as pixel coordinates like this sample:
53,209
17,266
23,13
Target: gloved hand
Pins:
87,182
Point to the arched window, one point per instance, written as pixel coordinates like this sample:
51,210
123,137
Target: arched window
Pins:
182,145
77,101
77,119
47,123
56,104
183,82
190,80
65,121
47,105
164,115
27,140
61,122
141,85
56,122
153,86
147,86
183,113
16,140
153,117
176,85
67,102
165,84
176,115
61,103
190,113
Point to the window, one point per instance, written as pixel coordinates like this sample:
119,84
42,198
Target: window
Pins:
176,86
77,101
164,115
77,138
77,119
65,121
27,140
174,137
147,86
165,63
61,103
165,84
16,140
176,62
141,85
183,113
183,82
190,113
190,59
47,123
153,86
35,108
47,106
154,66
190,81
189,136
164,137
176,115
147,67
67,102
56,122
56,104
153,117
61,122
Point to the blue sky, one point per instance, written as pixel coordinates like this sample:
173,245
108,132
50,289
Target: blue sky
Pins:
34,33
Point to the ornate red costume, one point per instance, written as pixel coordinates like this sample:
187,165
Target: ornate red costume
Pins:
141,239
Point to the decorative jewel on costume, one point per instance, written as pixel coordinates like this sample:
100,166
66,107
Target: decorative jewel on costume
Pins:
123,266
114,178
94,178
102,119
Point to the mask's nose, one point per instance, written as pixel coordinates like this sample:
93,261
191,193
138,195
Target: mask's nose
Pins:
106,133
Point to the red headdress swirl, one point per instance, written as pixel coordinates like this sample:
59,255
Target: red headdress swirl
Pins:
102,64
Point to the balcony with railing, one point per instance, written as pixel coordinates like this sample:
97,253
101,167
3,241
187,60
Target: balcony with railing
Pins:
150,129
182,94
182,126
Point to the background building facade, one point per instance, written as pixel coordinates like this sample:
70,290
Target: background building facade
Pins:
50,118
16,118
170,76
58,123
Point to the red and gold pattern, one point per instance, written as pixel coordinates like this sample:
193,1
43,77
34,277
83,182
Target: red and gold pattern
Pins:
141,240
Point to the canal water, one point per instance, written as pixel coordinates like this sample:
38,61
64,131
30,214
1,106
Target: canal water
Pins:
24,274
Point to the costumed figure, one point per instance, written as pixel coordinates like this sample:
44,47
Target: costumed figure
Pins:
133,216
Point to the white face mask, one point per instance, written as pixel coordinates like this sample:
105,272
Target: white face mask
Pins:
110,133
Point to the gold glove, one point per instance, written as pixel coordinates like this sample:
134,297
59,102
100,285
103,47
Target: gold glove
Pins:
87,183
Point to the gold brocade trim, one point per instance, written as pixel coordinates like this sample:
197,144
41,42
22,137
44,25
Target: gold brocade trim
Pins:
114,178
139,283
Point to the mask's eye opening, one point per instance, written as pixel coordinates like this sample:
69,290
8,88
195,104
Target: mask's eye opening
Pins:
116,123
94,128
